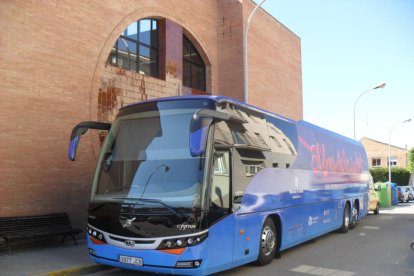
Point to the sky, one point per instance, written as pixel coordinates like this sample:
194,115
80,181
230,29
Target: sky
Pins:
349,47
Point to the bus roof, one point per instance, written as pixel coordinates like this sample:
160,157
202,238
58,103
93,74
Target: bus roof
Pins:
219,99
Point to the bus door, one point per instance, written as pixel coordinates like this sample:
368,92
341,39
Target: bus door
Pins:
246,164
220,185
220,248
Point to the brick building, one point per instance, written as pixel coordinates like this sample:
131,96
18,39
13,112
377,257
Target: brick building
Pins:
378,154
63,62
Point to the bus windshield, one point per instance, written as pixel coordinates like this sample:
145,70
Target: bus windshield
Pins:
146,158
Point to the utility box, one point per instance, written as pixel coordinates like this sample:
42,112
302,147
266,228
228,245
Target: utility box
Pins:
394,194
384,195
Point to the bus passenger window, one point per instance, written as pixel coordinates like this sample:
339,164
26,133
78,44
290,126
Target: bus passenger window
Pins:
220,186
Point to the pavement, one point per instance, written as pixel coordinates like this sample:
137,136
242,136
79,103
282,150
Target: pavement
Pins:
52,258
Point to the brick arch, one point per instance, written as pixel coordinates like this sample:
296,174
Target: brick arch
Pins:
138,14
107,96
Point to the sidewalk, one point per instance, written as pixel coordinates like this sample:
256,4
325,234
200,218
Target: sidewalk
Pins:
401,208
50,258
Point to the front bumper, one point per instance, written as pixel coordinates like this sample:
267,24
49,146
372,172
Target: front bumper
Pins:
154,261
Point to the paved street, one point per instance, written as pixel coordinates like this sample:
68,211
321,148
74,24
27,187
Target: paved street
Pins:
380,245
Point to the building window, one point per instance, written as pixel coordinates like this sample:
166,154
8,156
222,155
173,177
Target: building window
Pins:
136,49
194,69
376,162
221,166
393,162
251,170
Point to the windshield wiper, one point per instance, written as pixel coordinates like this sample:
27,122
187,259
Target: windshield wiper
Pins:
166,169
153,200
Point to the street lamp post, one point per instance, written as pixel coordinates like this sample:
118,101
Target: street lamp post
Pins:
246,75
381,85
389,148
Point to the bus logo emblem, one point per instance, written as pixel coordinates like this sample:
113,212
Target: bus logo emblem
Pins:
128,222
129,243
312,220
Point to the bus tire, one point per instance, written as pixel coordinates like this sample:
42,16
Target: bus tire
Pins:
354,216
345,220
268,243
376,211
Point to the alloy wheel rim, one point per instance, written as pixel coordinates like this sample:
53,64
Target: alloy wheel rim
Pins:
268,241
354,213
347,218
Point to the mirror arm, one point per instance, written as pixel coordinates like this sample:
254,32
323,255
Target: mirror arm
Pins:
199,125
81,129
216,115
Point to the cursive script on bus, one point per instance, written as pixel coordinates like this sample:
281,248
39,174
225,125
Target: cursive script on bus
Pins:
341,163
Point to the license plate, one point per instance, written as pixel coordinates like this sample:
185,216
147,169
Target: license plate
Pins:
131,260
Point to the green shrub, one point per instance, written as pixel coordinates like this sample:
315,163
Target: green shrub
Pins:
411,160
399,176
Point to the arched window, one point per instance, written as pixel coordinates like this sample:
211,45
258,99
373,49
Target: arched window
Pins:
136,49
194,69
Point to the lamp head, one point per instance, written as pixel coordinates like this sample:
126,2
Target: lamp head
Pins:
381,85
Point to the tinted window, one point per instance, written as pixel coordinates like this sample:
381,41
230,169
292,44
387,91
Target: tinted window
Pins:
248,134
137,48
283,142
194,69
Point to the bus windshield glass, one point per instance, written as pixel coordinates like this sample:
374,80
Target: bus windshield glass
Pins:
146,157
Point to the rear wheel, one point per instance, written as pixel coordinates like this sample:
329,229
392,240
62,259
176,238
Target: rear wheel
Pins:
354,216
268,243
345,220
376,211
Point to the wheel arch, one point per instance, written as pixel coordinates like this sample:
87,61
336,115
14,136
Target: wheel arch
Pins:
278,224
357,203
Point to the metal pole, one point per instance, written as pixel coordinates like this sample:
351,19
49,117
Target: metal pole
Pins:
389,148
246,75
389,156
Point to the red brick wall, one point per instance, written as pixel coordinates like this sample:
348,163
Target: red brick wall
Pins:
275,71
230,49
53,75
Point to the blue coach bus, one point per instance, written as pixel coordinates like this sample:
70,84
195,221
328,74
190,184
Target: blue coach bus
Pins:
201,184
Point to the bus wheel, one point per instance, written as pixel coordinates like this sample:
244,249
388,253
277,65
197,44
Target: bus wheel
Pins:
345,220
268,243
376,211
354,217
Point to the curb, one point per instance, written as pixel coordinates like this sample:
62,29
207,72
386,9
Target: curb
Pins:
81,270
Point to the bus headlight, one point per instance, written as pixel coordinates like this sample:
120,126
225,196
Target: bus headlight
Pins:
182,242
95,236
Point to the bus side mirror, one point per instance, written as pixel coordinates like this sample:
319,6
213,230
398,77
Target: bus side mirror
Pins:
199,126
81,129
